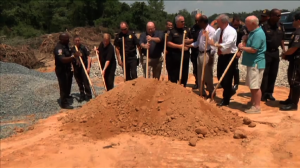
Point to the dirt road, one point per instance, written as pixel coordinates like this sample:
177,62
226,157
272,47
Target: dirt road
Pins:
272,143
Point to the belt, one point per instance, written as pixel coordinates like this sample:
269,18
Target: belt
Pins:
205,51
272,49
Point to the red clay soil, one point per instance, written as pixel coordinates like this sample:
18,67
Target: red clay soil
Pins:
154,108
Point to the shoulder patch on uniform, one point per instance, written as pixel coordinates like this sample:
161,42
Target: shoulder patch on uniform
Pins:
59,51
296,40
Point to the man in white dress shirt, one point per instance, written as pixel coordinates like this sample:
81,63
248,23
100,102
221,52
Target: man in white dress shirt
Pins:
225,41
209,53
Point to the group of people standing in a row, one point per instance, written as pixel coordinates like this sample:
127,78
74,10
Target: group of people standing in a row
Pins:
258,43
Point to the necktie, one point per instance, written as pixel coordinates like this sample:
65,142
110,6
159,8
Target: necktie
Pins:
220,41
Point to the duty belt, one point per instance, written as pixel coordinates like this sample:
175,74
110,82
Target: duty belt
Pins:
208,51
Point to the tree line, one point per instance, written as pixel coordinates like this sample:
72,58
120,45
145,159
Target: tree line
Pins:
30,18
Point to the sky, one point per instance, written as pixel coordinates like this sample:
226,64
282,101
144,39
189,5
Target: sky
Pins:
210,7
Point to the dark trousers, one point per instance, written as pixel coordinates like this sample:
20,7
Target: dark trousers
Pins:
131,69
194,62
294,82
223,61
236,76
175,68
270,73
168,65
82,81
64,77
109,76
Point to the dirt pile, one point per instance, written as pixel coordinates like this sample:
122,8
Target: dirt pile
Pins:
151,107
22,55
90,37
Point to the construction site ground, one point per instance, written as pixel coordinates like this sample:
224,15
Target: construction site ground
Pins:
274,142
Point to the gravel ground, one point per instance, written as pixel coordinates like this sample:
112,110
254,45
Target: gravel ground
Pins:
25,92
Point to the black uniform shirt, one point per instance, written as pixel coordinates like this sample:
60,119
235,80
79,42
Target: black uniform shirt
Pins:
195,33
61,51
274,35
176,36
241,31
107,54
295,42
85,53
131,42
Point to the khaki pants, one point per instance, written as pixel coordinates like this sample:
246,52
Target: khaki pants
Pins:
155,65
208,74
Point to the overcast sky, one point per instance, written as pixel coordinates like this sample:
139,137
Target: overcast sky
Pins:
211,7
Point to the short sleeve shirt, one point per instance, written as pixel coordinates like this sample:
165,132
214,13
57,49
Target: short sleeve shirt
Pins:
256,40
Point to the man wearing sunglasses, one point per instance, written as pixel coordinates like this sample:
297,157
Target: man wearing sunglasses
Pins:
174,41
293,56
131,43
195,51
274,31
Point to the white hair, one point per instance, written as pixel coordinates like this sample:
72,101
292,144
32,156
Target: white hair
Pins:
224,18
177,18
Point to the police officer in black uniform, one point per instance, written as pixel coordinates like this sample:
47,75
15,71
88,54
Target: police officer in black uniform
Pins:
195,51
241,31
175,43
131,43
63,58
265,16
293,56
274,31
79,74
169,27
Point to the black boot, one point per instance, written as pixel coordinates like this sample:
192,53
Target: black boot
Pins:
270,97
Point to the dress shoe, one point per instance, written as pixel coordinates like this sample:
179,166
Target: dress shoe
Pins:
66,106
289,107
235,87
223,103
270,97
233,92
286,102
195,87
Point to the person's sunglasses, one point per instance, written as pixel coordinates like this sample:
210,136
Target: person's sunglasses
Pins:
124,29
182,21
278,15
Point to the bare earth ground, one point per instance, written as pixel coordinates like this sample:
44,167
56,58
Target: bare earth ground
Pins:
274,142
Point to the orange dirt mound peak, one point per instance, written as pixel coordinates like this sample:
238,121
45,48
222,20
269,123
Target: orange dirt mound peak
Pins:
151,107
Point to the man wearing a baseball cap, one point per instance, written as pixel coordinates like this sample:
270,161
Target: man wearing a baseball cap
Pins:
265,15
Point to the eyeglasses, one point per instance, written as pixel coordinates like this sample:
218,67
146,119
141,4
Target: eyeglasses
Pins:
182,21
124,29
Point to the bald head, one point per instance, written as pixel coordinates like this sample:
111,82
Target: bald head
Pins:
150,28
64,38
197,16
252,22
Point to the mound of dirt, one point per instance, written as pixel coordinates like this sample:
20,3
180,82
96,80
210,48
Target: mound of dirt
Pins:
151,107
90,37
22,55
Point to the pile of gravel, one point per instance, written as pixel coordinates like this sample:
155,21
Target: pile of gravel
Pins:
25,92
